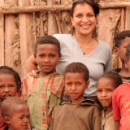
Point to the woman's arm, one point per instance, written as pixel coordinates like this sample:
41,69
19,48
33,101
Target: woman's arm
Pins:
116,125
31,63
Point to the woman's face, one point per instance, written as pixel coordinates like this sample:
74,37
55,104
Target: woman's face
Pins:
84,19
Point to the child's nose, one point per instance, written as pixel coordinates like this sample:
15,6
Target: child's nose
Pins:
73,87
26,120
103,94
46,59
6,89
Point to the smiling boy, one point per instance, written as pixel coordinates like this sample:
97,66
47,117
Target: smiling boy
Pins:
79,113
43,89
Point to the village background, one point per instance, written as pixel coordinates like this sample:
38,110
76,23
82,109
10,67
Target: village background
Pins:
24,21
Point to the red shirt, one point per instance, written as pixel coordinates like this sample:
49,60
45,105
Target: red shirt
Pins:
121,106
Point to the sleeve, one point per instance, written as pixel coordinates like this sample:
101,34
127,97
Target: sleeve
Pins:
96,122
24,89
109,61
116,110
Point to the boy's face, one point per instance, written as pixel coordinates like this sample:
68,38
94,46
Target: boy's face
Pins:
121,50
8,86
105,89
47,58
75,85
19,117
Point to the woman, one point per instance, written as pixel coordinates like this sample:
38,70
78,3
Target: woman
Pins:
81,46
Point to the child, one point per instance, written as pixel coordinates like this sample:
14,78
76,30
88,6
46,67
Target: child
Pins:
43,90
121,101
10,84
15,113
106,85
79,113
122,40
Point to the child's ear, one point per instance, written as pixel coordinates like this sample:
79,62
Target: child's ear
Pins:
87,84
126,63
60,56
34,55
116,50
7,120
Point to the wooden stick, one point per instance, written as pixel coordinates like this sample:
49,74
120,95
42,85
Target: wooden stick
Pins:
10,26
52,25
58,23
127,20
1,36
34,21
15,10
27,38
122,27
107,5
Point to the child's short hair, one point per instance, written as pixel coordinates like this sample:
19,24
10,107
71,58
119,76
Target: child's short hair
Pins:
77,67
48,40
117,80
8,70
127,55
7,104
120,36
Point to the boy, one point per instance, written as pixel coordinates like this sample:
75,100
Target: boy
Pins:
79,113
15,113
10,84
121,101
43,90
122,40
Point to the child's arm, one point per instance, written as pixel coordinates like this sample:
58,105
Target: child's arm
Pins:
116,125
116,112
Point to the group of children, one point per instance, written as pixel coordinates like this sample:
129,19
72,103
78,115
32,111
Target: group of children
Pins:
41,102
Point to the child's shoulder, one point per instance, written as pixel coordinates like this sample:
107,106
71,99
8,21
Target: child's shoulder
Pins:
123,88
87,103
35,74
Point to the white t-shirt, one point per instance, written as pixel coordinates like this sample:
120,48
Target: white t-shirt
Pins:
98,61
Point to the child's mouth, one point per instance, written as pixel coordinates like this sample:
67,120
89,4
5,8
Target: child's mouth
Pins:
6,96
46,66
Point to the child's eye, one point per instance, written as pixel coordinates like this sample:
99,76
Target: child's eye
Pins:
108,90
52,55
21,117
99,90
1,86
11,86
28,116
78,83
68,83
41,55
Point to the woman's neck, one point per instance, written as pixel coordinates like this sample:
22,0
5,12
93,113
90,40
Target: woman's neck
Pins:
83,39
